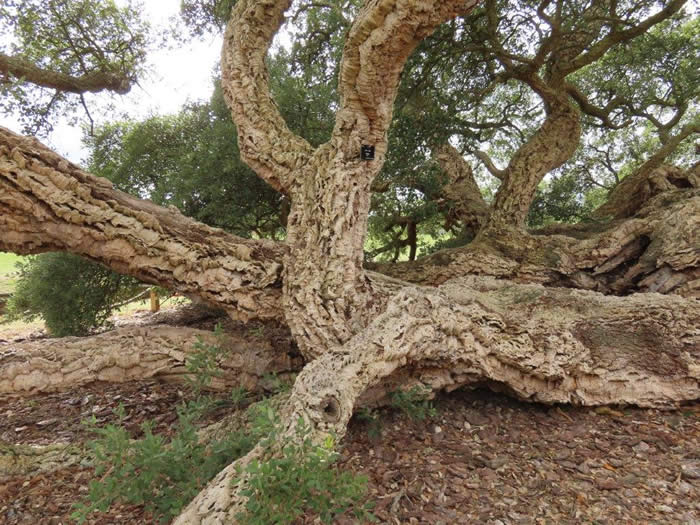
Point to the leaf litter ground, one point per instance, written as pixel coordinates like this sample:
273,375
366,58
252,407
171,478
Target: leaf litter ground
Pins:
484,458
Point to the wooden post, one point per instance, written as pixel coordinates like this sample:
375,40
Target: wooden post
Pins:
155,301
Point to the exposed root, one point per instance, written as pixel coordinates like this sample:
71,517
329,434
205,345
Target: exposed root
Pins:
542,344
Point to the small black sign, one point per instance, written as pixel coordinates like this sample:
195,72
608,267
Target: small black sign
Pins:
367,152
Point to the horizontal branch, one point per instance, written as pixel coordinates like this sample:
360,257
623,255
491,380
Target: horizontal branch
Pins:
545,345
652,251
136,353
25,71
49,204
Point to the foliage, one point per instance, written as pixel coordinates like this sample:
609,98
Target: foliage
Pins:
465,83
275,384
300,478
205,16
414,402
202,364
152,471
191,161
165,475
70,37
567,198
72,295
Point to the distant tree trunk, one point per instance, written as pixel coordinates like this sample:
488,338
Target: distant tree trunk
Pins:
548,148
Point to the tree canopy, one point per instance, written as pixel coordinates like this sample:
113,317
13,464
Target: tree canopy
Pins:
59,50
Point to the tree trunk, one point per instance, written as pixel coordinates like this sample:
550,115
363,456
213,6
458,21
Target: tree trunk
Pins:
548,148
327,296
540,344
464,202
366,334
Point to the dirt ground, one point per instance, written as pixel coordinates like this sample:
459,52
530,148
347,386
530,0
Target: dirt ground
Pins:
484,458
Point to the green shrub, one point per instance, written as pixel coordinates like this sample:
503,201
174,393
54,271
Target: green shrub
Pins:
71,294
203,363
152,471
414,402
300,478
165,476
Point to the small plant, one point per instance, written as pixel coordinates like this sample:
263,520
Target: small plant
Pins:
373,422
300,478
164,475
152,471
275,384
414,402
257,331
203,363
239,396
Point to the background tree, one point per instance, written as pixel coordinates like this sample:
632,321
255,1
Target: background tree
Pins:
489,114
61,50
475,315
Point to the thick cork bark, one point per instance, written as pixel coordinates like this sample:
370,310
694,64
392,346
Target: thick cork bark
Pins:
50,204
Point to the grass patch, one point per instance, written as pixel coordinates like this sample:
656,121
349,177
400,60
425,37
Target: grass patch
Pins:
7,271
7,263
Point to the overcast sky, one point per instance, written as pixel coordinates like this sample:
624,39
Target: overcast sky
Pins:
176,76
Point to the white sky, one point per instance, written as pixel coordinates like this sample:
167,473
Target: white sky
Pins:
176,76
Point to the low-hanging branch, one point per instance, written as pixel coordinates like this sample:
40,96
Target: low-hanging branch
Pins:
49,204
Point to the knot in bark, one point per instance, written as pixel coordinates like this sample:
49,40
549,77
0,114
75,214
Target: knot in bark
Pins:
330,410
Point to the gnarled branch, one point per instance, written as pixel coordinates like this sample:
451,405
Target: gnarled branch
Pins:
49,204
465,201
266,143
490,166
368,81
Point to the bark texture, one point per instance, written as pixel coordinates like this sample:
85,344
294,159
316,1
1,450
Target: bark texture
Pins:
134,353
657,249
366,334
50,204
27,460
327,296
540,344
547,149
466,206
